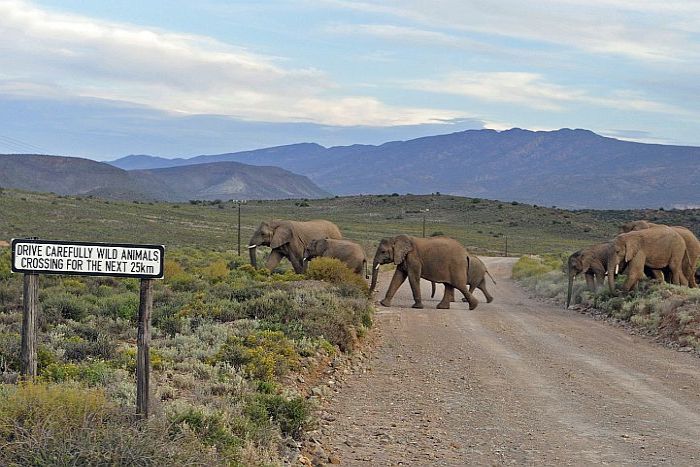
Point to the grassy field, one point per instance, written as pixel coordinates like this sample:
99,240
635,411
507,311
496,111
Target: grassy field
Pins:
482,225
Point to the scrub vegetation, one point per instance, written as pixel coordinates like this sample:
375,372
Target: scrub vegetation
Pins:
229,345
659,309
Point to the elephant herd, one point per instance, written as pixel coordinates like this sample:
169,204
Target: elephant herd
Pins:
437,259
641,248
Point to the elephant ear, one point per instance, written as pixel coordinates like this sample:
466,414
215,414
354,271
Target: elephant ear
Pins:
282,235
402,246
631,248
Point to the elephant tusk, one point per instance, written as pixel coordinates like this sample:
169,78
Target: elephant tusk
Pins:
377,266
304,258
251,246
617,269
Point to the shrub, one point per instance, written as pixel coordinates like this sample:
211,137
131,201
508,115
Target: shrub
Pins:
124,305
263,355
43,424
528,266
66,306
216,271
293,415
78,349
336,272
95,373
9,352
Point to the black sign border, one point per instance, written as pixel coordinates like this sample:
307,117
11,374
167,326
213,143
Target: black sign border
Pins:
160,248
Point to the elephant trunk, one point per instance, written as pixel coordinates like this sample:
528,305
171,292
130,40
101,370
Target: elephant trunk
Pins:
571,284
375,275
253,257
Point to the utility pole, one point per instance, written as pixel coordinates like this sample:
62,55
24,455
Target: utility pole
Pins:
424,211
239,229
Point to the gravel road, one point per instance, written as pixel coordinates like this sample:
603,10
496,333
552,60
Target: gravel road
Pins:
517,382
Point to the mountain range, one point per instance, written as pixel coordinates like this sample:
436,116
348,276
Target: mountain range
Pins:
210,181
566,168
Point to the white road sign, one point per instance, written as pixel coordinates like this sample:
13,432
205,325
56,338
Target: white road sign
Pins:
91,259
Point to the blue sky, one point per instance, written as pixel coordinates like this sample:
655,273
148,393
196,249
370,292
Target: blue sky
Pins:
176,78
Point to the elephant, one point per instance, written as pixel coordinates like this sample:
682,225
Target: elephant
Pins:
593,262
350,253
476,278
288,240
655,247
692,245
437,259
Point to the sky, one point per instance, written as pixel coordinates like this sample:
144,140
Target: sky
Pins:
180,78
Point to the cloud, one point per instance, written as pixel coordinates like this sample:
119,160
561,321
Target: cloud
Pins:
646,31
411,35
71,55
532,90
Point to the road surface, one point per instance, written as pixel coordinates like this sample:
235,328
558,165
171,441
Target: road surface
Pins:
514,382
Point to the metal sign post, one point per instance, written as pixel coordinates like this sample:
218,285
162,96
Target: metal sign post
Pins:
33,257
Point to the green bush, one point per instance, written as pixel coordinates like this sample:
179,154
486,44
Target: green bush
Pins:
336,272
293,415
263,355
65,305
78,349
528,266
94,373
124,305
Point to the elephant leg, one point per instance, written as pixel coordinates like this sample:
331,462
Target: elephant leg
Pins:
678,278
635,271
447,298
396,281
451,295
473,302
297,263
590,281
658,275
471,291
414,281
273,260
599,280
482,287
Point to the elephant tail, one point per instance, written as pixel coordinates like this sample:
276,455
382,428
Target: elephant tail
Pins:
432,292
492,279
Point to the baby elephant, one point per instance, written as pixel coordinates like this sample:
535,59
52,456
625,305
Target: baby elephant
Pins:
476,278
346,251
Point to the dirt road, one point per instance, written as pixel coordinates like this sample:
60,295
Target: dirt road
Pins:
514,382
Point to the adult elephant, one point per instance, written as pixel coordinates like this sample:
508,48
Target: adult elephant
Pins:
692,245
288,239
591,261
437,259
350,253
476,278
656,248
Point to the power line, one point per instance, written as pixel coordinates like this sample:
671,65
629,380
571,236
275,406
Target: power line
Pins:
19,145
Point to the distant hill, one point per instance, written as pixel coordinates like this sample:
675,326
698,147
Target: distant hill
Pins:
568,168
230,180
222,180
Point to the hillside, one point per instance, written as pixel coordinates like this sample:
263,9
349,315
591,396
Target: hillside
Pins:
571,168
480,224
230,180
222,180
